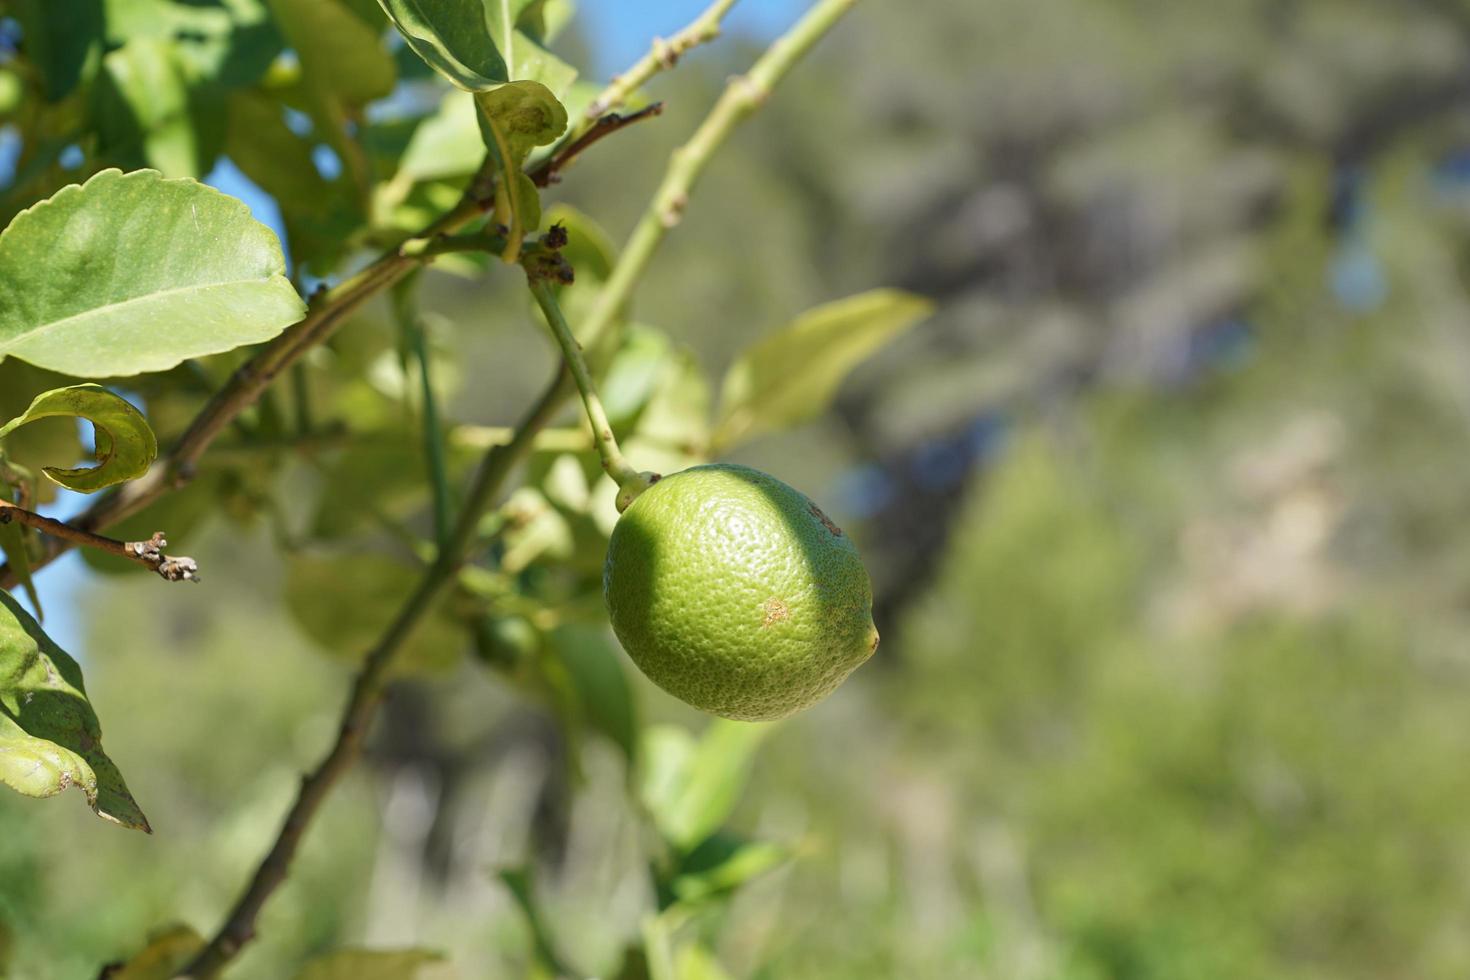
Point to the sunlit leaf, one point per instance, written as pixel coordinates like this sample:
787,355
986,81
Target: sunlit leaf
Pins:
125,445
132,273
691,788
378,964
446,144
792,375
50,738
453,36
169,950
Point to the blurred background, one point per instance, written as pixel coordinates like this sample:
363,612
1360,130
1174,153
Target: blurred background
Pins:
1166,510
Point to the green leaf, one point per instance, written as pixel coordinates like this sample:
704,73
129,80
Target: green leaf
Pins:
792,375
344,65
169,950
131,273
61,39
345,602
521,116
522,888
342,56
13,549
125,445
543,20
691,789
604,696
695,962
453,36
260,143
142,109
723,863
377,964
50,738
45,442
516,118
446,144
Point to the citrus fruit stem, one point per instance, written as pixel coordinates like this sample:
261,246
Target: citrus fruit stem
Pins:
628,479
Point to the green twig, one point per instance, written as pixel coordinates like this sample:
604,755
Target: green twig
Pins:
663,55
613,463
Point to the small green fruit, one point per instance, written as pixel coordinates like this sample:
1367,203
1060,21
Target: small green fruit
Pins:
735,593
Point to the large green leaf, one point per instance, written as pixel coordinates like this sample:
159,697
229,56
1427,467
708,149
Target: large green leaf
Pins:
453,36
125,445
131,273
50,738
792,375
377,964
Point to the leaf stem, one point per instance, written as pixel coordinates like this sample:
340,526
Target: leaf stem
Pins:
367,691
148,553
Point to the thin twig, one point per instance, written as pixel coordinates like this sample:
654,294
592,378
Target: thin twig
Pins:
550,173
148,553
367,691
630,482
663,55
741,97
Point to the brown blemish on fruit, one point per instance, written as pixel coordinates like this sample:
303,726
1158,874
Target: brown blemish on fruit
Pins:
826,521
775,611
873,647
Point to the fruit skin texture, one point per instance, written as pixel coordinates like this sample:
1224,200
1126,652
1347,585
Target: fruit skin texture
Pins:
734,592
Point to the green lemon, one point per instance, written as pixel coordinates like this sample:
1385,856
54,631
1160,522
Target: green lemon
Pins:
735,593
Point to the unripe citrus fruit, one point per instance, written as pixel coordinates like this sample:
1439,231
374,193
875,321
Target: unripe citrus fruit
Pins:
735,593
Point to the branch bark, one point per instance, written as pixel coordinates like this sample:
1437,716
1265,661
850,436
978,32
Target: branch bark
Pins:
148,553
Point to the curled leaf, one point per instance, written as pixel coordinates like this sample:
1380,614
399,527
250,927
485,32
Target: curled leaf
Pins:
125,445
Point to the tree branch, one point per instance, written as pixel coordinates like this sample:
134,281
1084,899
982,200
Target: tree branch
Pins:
660,57
148,553
367,691
550,172
742,96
